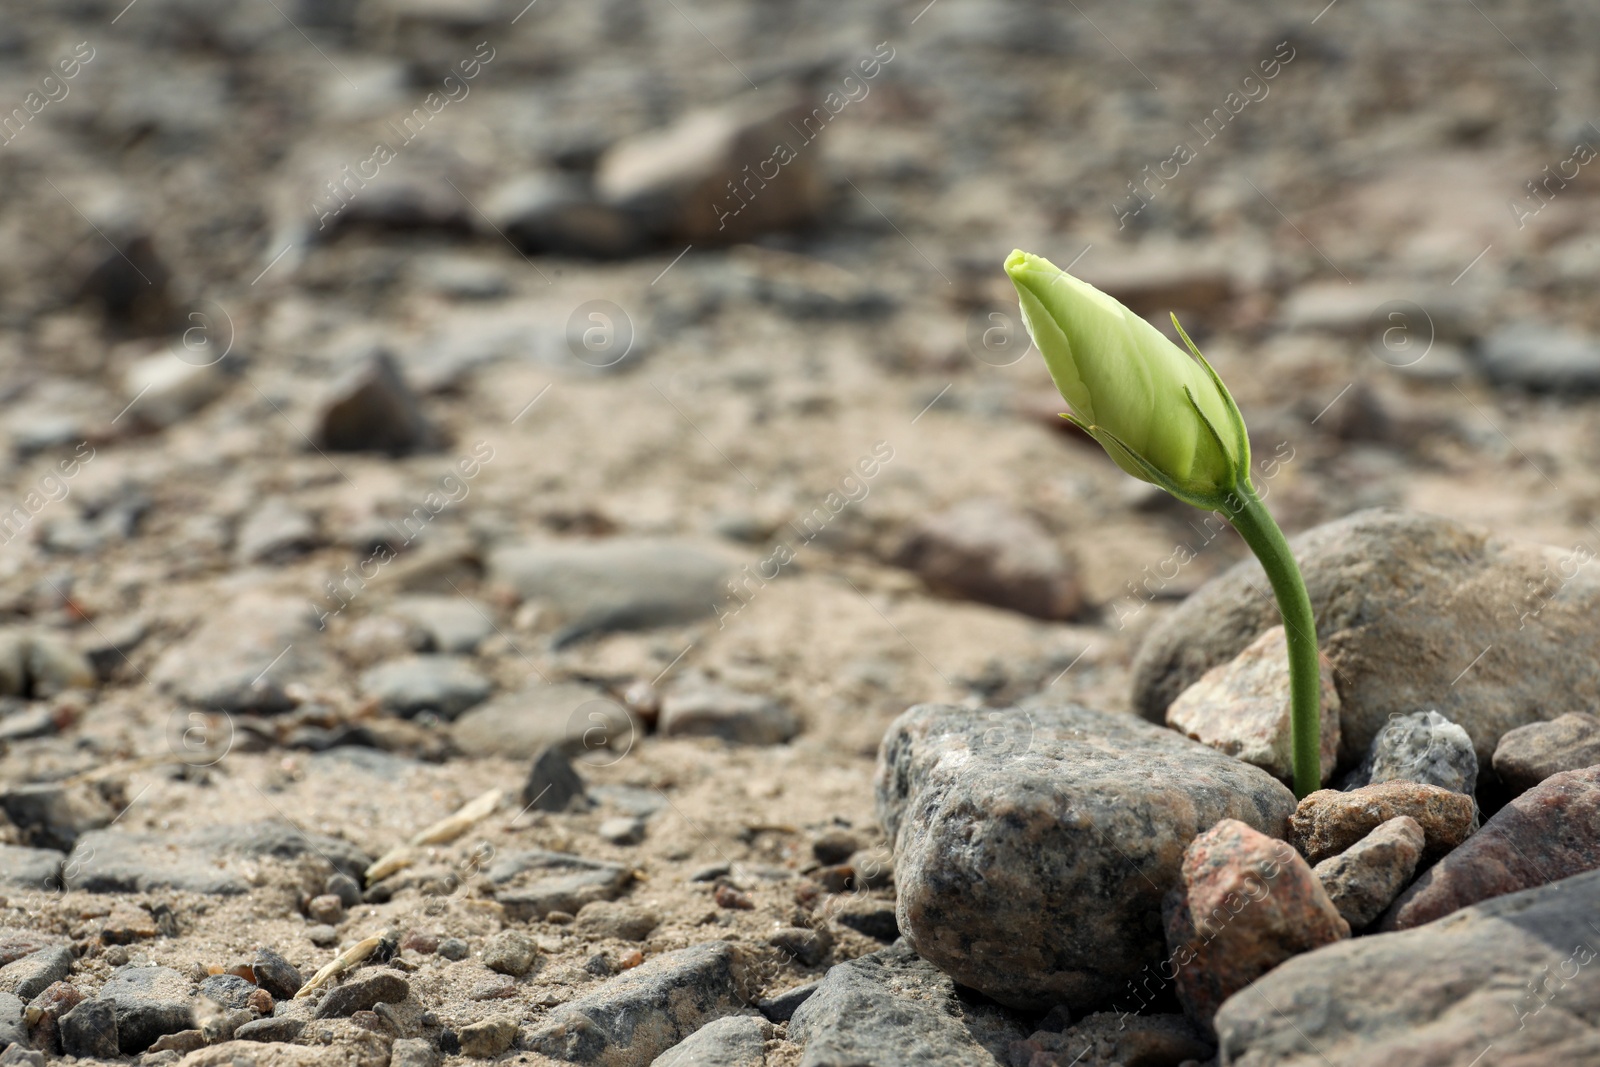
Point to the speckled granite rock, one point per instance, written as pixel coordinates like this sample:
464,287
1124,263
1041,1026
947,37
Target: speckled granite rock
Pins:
1032,867
1444,993
1247,903
1529,754
1425,747
891,1008
1241,707
1365,878
1548,833
1328,821
1405,603
637,1016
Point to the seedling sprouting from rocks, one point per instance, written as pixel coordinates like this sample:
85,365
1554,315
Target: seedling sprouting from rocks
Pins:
1168,419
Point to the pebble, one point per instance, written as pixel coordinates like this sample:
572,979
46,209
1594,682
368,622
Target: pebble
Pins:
453,948
239,658
344,887
616,584
1247,903
610,919
206,860
362,993
1496,974
229,990
873,868
35,972
413,1052
275,531
706,709
46,1010
1115,1039
443,685
808,947
275,974
1328,821
834,846
781,1008
986,551
322,935
552,784
53,815
734,1041
889,1007
510,952
454,624
372,409
1029,865
727,896
487,1039
1241,707
12,1029
182,1042
1421,747
520,725
270,1029
874,918
622,830
17,1056
30,868
675,182
326,908
1405,602
1529,754
1542,358
1550,832
638,1015
577,882
90,1030
149,1001
1363,880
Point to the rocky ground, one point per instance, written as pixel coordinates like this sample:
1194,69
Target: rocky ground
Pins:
485,484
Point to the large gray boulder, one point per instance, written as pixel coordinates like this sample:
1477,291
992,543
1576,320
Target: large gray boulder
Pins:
1509,974
1032,852
1414,612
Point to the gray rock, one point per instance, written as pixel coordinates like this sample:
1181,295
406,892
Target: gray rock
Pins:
552,784
202,861
240,658
806,946
892,1008
510,952
1405,604
149,1002
346,888
12,1030
54,666
413,1052
54,815
1542,358
1421,747
271,1028
706,709
229,990
637,1016
675,182
1241,707
1529,754
275,974
554,214
371,409
487,1039
456,625
622,830
1442,993
520,725
1030,865
619,584
864,915
583,881
275,531
984,550
443,685
30,868
361,993
1363,880
90,1030
733,1041
15,1055
626,922
781,1008
453,948
34,973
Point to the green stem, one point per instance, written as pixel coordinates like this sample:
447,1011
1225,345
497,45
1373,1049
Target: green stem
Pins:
1255,525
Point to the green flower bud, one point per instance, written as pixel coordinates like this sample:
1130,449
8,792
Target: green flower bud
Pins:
1163,417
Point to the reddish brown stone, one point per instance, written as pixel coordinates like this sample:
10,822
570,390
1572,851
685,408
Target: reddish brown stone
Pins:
1247,903
1529,754
1327,822
1549,833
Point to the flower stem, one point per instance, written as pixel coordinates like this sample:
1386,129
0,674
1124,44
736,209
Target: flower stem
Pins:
1251,518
